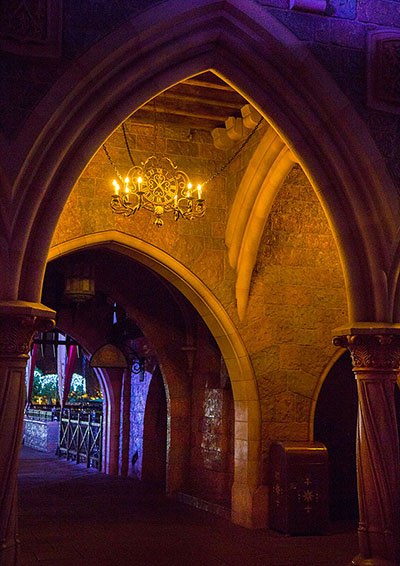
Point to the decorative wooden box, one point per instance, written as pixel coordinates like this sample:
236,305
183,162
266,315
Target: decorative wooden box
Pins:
299,488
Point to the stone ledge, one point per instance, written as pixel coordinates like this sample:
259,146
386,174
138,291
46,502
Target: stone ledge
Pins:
208,506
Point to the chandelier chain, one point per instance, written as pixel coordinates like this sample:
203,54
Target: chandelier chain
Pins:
233,157
211,178
128,149
111,162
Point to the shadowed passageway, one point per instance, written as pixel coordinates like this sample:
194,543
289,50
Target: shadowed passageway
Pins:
70,515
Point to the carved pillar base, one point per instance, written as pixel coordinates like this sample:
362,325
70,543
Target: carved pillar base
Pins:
18,323
375,353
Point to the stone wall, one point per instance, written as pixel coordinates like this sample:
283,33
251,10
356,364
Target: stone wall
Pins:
211,463
337,35
41,435
297,294
297,298
198,244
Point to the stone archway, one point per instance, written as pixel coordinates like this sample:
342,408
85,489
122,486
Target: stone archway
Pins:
249,496
72,126
242,44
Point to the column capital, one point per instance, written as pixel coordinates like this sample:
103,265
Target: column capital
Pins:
373,346
19,320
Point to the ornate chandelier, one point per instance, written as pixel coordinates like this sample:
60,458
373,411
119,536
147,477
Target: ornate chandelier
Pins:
156,185
159,186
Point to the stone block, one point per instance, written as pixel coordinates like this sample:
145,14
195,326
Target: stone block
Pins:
234,128
267,360
181,148
346,9
289,431
284,407
302,382
381,12
250,116
349,34
221,139
322,32
303,408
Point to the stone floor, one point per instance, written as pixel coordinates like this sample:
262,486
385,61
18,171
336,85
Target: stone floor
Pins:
77,517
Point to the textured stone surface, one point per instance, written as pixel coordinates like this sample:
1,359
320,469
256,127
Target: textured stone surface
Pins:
382,12
139,391
297,293
41,436
296,298
342,29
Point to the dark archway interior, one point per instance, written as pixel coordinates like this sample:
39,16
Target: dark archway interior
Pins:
133,307
335,425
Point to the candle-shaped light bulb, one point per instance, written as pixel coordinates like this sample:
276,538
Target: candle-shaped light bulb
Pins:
189,193
116,186
126,181
176,201
139,182
199,191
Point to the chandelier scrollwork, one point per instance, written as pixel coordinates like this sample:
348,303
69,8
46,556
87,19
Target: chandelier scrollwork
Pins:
157,185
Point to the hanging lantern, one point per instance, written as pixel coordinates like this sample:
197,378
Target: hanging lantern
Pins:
79,283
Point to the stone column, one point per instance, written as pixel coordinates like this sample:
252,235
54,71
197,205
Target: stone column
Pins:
375,353
18,322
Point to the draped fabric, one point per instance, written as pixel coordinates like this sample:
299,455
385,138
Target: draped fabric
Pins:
65,372
61,364
30,373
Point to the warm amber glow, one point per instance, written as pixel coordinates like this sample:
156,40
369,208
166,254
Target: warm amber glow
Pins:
116,186
150,184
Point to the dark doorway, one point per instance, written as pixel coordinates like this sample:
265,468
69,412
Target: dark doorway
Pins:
335,425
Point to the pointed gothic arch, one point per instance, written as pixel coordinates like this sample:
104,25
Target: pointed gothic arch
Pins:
246,46
249,506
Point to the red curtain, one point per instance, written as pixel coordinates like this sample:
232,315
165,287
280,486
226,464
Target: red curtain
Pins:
30,370
69,370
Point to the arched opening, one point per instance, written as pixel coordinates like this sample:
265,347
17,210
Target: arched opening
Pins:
335,423
336,172
254,72
181,435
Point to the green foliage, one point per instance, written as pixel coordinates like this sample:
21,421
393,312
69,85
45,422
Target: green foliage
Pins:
45,388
